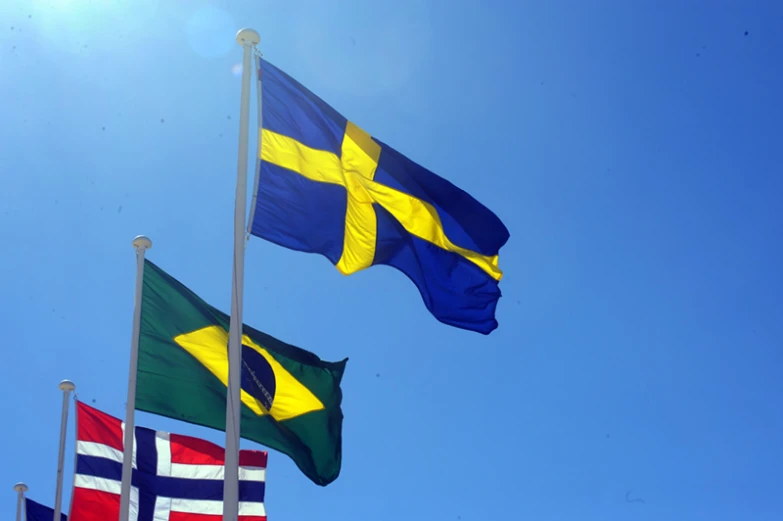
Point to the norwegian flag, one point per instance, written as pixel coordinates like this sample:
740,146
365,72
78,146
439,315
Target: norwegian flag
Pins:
175,478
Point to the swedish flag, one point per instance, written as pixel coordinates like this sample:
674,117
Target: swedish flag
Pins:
326,186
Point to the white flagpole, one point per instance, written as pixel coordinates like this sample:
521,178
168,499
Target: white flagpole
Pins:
140,244
20,488
66,386
247,38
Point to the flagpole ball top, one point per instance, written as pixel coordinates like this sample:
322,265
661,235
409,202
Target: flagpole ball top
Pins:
248,37
20,487
67,386
142,242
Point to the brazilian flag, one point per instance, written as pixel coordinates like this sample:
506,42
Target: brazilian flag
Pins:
290,397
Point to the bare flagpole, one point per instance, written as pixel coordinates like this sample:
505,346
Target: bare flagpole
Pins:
140,244
66,386
248,39
20,489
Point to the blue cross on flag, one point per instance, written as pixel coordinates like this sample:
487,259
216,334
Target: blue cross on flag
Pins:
175,477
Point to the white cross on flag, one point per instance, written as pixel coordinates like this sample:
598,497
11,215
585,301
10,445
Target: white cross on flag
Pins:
175,477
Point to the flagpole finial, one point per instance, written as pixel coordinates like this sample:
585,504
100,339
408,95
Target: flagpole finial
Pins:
67,386
142,242
248,37
20,487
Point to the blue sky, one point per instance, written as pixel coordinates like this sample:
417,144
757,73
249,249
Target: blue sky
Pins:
633,149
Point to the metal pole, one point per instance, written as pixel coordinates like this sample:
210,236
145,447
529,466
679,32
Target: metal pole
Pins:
66,386
20,488
140,244
247,38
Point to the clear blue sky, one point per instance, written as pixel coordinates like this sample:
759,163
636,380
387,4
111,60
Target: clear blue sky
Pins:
632,147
